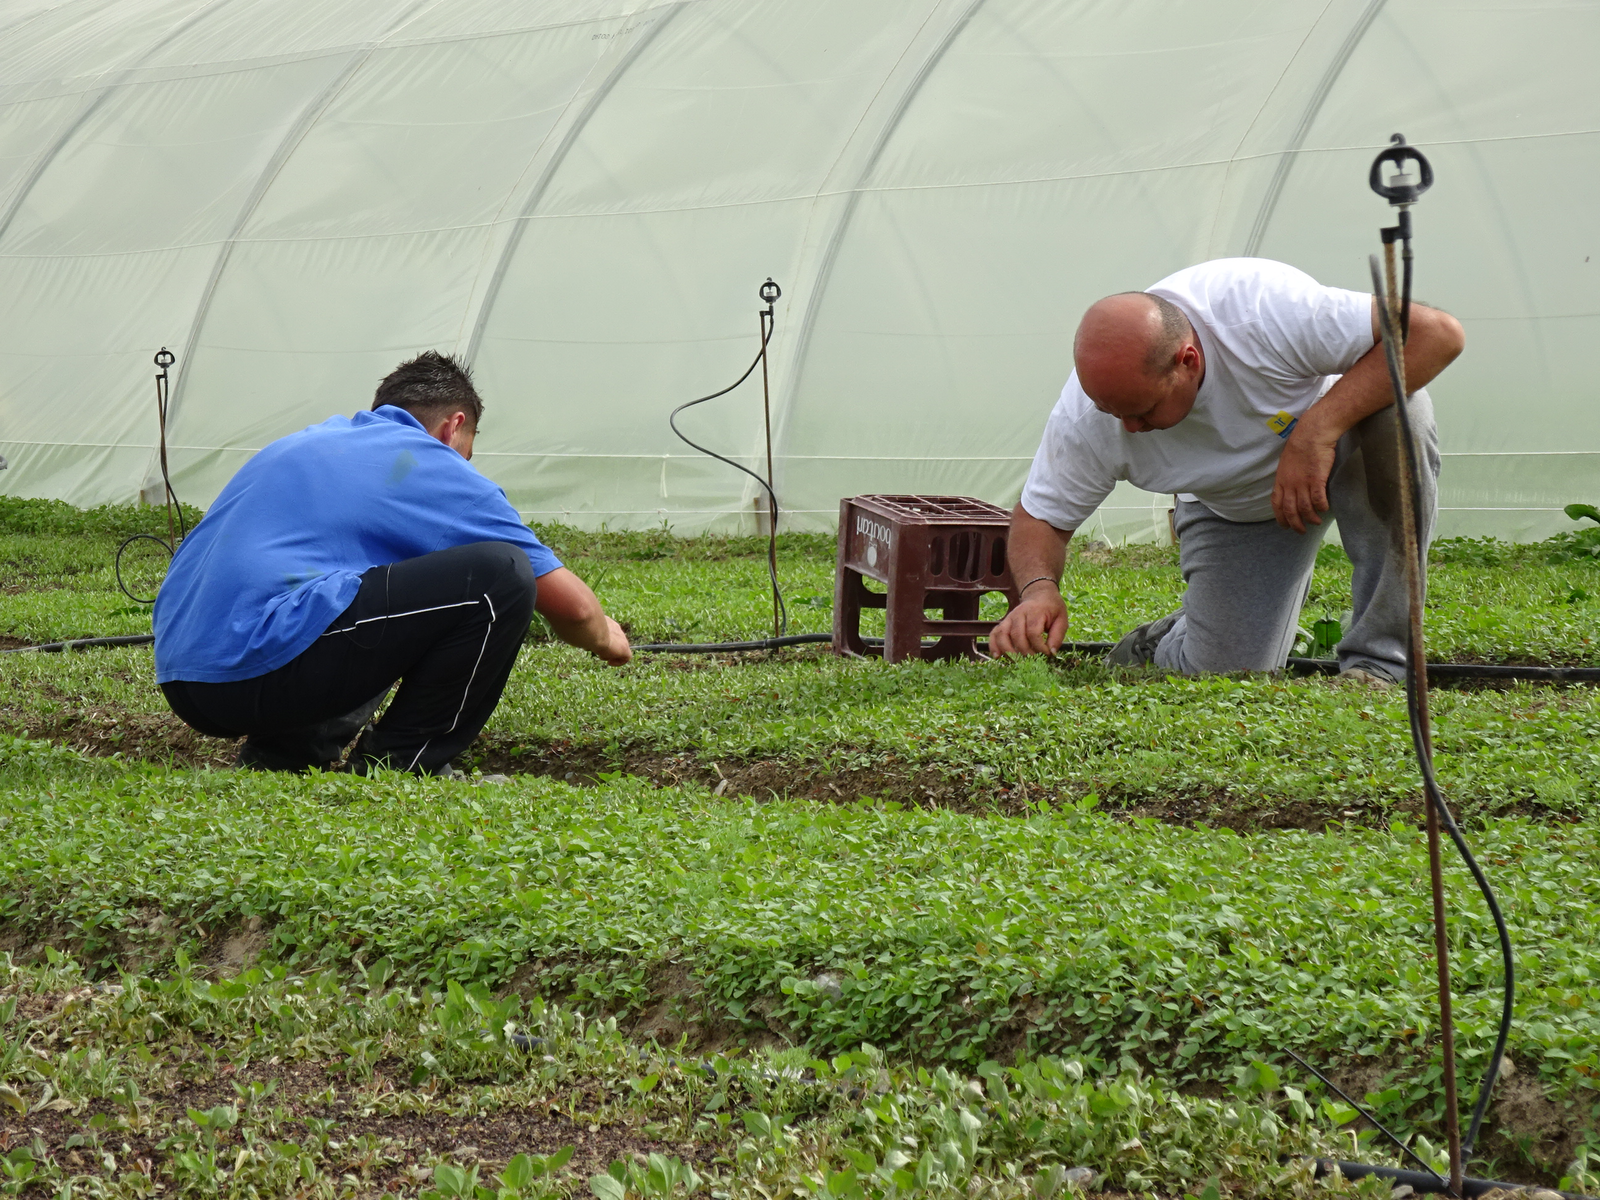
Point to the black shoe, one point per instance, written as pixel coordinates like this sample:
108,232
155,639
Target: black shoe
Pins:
1138,647
1366,676
256,758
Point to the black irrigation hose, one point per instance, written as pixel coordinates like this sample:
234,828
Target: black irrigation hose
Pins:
164,359
1300,666
1508,961
801,639
805,639
117,562
793,639
1419,739
137,639
1373,1121
1459,671
1428,1184
672,420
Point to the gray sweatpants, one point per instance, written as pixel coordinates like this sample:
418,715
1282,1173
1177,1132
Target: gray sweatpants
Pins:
1248,581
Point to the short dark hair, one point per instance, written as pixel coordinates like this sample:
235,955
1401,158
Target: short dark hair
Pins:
431,387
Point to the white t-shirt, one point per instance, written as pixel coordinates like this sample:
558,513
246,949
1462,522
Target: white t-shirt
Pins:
1274,341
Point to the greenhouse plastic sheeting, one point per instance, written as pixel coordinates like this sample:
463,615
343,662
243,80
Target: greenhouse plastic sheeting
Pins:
582,197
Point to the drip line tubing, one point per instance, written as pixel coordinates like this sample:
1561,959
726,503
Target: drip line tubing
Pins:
1443,670
792,639
780,609
164,359
1300,666
137,639
807,639
1423,1182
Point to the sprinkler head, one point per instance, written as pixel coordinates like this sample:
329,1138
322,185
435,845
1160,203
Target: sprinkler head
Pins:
1403,186
770,292
165,358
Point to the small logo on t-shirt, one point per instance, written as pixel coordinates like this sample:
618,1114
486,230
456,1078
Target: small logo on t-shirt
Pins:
1282,424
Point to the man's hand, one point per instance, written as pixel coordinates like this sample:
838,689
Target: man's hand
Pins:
1301,489
576,617
1037,553
1038,625
617,651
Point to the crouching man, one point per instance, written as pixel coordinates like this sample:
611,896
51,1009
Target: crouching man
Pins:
348,556
1263,399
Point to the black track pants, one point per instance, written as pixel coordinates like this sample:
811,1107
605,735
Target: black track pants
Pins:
447,625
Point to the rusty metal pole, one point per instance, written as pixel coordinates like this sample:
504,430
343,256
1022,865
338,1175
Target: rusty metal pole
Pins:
1394,350
1393,299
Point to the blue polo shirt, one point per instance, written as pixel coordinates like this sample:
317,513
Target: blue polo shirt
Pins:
281,552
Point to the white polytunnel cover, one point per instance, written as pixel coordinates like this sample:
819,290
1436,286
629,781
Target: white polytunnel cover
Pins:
583,196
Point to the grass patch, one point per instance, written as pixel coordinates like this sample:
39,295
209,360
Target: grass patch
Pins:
933,936
1248,751
277,1084
797,854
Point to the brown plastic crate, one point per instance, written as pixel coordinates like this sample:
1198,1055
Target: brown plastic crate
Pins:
941,552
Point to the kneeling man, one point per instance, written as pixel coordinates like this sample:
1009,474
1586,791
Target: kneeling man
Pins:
350,555
1262,398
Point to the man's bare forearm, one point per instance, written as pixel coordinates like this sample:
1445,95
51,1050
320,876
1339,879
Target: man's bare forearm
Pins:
1436,339
1036,549
1037,553
575,616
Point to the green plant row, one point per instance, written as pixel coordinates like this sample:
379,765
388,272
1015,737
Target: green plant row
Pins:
1217,744
932,935
1253,739
312,1083
1488,601
53,518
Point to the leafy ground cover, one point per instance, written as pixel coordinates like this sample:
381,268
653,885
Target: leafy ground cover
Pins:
978,885
1251,751
937,937
279,1084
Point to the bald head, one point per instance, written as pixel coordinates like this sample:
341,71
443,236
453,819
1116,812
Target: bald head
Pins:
1132,328
1139,360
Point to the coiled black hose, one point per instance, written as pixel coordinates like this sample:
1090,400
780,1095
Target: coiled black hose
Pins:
672,420
164,359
